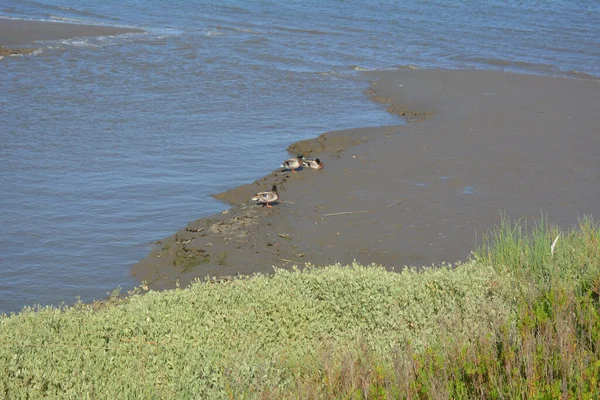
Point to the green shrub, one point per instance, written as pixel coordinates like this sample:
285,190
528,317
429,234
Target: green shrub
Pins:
517,321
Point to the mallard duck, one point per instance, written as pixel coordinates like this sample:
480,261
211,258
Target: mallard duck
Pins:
314,164
293,163
267,197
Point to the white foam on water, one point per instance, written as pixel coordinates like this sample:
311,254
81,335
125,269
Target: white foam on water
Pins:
73,20
244,30
80,43
214,33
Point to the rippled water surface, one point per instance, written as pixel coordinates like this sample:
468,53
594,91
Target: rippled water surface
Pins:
111,143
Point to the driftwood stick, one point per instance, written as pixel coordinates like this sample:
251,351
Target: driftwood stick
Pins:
348,212
366,211
397,202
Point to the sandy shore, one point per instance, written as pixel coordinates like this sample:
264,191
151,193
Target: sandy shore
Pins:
18,36
478,143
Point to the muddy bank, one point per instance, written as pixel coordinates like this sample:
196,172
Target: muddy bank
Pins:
248,237
5,51
477,143
20,36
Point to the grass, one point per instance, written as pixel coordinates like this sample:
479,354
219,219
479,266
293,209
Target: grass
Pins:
516,321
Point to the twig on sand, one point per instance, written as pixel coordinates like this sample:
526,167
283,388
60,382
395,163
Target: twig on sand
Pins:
348,212
366,211
286,201
396,202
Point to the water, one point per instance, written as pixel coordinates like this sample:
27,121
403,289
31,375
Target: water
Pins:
109,144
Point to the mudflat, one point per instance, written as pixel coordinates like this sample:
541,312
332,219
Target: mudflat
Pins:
476,144
17,36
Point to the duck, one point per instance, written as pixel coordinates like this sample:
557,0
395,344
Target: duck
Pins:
293,163
267,197
312,163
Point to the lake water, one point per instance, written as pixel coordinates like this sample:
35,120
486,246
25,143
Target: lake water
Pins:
109,144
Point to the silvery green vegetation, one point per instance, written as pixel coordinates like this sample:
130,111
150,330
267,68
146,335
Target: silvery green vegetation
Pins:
520,318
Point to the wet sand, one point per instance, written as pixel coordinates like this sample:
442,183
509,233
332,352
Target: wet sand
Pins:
18,36
477,144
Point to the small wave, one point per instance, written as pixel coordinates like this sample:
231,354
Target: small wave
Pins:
583,75
92,42
357,68
247,31
334,73
214,33
15,18
255,40
51,7
535,68
163,32
408,66
67,19
86,13
519,64
298,30
80,43
512,64
242,30
70,21
47,10
235,9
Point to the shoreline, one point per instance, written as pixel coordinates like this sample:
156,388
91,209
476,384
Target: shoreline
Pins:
240,240
19,36
477,144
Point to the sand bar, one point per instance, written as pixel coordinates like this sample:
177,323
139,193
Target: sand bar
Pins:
478,143
15,34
